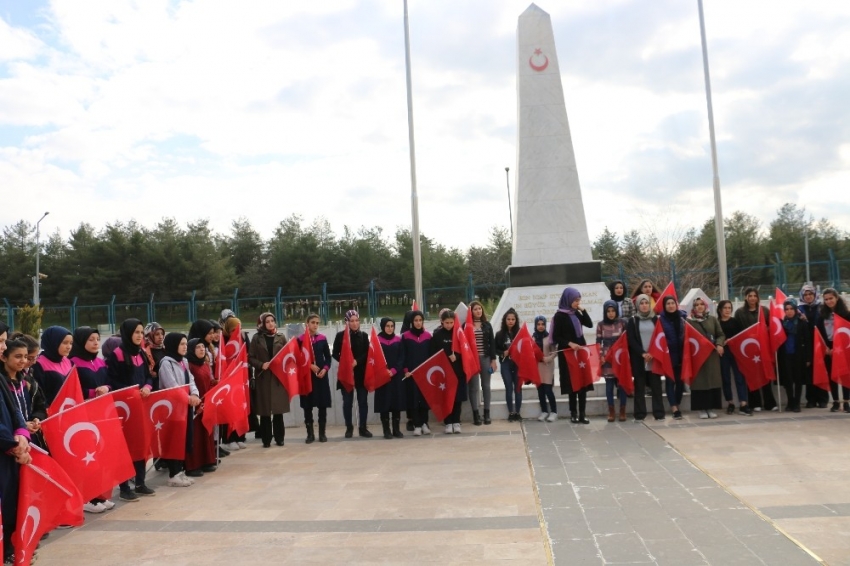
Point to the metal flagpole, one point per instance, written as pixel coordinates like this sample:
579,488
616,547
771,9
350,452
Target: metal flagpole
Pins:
414,197
718,209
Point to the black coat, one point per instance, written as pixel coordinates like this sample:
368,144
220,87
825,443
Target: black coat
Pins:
636,349
390,397
793,366
562,334
321,394
442,340
359,349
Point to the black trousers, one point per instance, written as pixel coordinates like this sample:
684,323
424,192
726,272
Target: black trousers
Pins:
272,426
653,380
578,401
139,466
308,415
454,416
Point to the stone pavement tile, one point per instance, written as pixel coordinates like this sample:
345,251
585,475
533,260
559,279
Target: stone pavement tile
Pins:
595,496
798,511
570,551
566,522
827,537
607,520
674,552
778,549
623,548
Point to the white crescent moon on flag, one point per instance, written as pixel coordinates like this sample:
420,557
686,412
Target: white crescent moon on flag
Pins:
34,514
658,344
227,349
226,387
283,361
778,326
432,370
744,344
843,331
695,342
67,403
162,403
124,407
74,429
617,356
306,356
519,347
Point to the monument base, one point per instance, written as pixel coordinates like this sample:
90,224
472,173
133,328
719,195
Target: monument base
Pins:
558,274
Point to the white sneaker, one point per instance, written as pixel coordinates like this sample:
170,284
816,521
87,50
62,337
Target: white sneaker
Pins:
241,445
109,504
426,429
178,481
553,417
775,408
187,478
94,507
703,414
712,415
542,417
449,429
456,427
233,447
417,431
757,409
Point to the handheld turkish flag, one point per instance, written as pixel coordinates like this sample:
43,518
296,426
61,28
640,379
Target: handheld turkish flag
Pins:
413,306
583,364
377,373
820,377
522,352
88,443
841,351
306,358
696,351
777,313
166,412
233,345
225,404
764,341
284,366
469,333
661,362
219,364
460,345
749,353
345,370
437,382
621,363
129,406
47,498
669,291
69,395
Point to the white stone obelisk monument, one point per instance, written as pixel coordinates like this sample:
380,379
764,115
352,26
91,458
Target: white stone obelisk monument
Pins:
551,247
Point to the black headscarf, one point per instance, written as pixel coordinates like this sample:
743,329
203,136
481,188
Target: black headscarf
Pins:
614,297
384,333
51,339
407,325
172,343
190,352
128,328
81,336
199,329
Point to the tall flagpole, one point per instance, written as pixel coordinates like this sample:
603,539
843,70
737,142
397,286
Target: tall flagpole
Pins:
414,197
718,208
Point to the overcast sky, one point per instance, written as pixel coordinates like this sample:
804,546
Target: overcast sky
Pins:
116,110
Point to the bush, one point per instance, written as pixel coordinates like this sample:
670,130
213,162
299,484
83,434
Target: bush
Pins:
29,320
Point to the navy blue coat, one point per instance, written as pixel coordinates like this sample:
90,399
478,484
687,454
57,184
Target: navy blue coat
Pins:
390,397
321,395
442,340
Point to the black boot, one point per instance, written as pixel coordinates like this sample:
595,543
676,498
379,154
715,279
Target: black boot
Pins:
385,425
278,429
583,420
410,426
476,418
311,437
322,436
349,431
266,431
364,432
397,427
487,416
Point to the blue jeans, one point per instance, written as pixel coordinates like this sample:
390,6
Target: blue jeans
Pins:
348,402
546,393
610,384
510,379
675,390
728,368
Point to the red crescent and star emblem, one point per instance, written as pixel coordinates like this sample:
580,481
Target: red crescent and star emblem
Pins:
535,61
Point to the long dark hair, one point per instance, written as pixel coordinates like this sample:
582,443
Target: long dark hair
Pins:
472,304
505,329
840,306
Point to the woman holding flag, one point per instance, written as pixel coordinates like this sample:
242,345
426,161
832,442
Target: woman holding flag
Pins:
705,387
567,333
809,308
673,324
442,340
272,397
53,364
359,344
389,398
832,309
415,346
510,377
747,315
320,396
608,331
639,331
794,354
485,344
546,369
728,366
202,457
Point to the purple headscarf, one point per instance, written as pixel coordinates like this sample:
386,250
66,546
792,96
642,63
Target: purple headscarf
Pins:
569,295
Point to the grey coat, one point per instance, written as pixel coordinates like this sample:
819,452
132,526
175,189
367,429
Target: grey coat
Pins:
709,374
272,397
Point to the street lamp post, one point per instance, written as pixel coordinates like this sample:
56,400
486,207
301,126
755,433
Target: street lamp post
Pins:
35,280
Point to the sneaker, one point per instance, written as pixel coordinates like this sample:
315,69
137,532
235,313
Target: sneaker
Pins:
128,496
677,415
712,415
410,427
241,445
144,491
232,447
209,468
417,431
776,409
109,504
456,428
747,410
659,418
426,429
94,507
703,414
449,429
834,408
517,418
178,481
223,452
730,410
553,417
542,417
846,407
187,478
197,473
757,409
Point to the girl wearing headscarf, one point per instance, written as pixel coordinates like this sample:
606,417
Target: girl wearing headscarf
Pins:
503,340
389,398
320,396
648,288
359,350
625,305
639,331
127,366
485,342
809,309
174,372
442,340
546,368
793,355
608,331
747,315
202,456
27,395
416,348
705,388
728,366
230,325
673,324
272,397
567,333
53,364
154,348
833,306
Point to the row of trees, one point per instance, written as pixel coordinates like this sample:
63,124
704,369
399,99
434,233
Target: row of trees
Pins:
171,261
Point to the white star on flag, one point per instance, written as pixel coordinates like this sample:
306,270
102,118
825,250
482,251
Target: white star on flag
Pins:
291,371
756,359
88,458
158,425
443,386
582,365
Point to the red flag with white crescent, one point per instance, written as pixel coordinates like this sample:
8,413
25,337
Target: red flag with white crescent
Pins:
69,395
225,404
89,444
669,291
284,366
777,314
621,363
345,370
661,362
305,359
377,373
460,345
523,352
697,350
583,364
820,376
233,345
469,333
129,407
750,353
841,351
437,382
166,412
